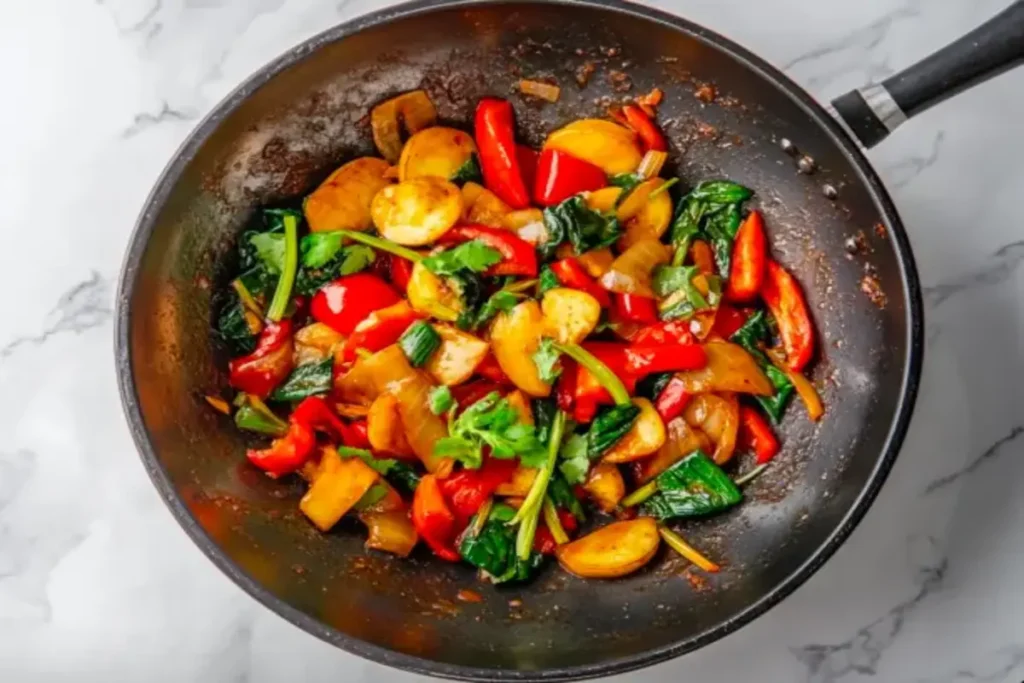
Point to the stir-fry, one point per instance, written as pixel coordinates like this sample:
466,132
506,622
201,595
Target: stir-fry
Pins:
480,347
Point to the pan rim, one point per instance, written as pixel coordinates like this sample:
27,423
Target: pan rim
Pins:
186,152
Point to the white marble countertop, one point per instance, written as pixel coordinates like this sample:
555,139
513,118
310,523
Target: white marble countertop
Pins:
98,583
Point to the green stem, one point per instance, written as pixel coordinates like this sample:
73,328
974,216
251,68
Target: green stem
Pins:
520,286
751,475
601,372
481,518
283,293
349,452
554,523
640,495
383,245
662,188
529,512
246,297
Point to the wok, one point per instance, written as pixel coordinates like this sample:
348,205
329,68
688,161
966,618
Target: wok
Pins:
728,114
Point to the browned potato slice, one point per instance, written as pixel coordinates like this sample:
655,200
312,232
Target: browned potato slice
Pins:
646,436
615,550
517,220
603,143
417,211
438,152
384,427
683,439
483,207
391,532
413,110
339,483
431,295
569,314
458,356
519,485
646,218
515,337
729,368
605,486
718,416
315,342
597,262
342,202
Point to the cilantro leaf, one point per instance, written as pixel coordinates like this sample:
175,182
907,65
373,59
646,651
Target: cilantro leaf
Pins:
502,300
547,280
492,422
269,248
441,400
474,256
318,248
379,465
574,464
546,358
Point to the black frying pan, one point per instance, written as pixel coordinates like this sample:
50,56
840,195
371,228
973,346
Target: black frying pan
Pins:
283,131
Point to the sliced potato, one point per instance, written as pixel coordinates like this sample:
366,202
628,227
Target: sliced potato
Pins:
605,144
431,295
647,217
524,218
437,152
615,550
646,436
515,337
718,416
605,486
342,202
413,110
356,386
316,342
339,483
520,484
417,211
458,356
391,532
483,207
683,439
569,314
384,428
596,262
729,368
631,272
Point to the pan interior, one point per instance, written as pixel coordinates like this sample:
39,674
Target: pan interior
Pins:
284,132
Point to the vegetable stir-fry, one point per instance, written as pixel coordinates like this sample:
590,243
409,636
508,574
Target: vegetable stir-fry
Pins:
481,348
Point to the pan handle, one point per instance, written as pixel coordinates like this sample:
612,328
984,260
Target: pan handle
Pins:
874,111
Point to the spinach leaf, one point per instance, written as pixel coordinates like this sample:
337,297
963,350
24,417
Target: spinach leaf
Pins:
493,422
233,328
493,549
403,477
711,209
651,386
253,420
547,280
750,336
609,427
441,400
683,299
469,286
695,486
468,172
474,256
308,379
721,228
546,359
583,227
562,496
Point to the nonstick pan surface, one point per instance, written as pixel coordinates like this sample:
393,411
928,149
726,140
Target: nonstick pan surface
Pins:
727,114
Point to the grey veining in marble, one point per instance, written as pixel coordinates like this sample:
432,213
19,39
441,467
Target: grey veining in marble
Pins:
97,583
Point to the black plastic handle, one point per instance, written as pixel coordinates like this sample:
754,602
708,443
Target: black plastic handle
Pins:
872,112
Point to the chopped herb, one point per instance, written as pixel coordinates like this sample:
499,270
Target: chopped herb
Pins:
493,422
441,400
583,227
546,358
308,379
345,261
547,280
575,464
419,342
528,515
468,172
474,256
381,466
562,496
502,300
403,476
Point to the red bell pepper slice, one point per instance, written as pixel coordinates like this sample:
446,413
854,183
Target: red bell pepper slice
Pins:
784,298
495,141
268,365
380,329
565,386
671,332
399,270
469,393
347,301
490,369
647,359
433,519
527,158
518,257
642,124
561,175
287,453
544,542
571,273
636,309
469,489
756,433
316,414
589,392
728,320
672,400
749,255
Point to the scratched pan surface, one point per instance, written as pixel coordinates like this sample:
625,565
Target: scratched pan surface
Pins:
284,130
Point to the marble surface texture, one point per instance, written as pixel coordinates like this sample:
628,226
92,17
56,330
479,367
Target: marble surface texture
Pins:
97,581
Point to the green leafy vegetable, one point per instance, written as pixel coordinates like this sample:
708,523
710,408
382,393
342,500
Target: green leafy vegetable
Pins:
609,427
283,291
712,209
651,386
562,496
403,476
474,256
441,400
469,287
583,227
546,358
493,549
575,464
270,249
232,327
381,244
493,422
502,300
468,172
381,466
721,228
750,336
319,248
683,299
528,515
254,420
419,342
547,280
693,487
544,411
308,379
627,181
346,261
